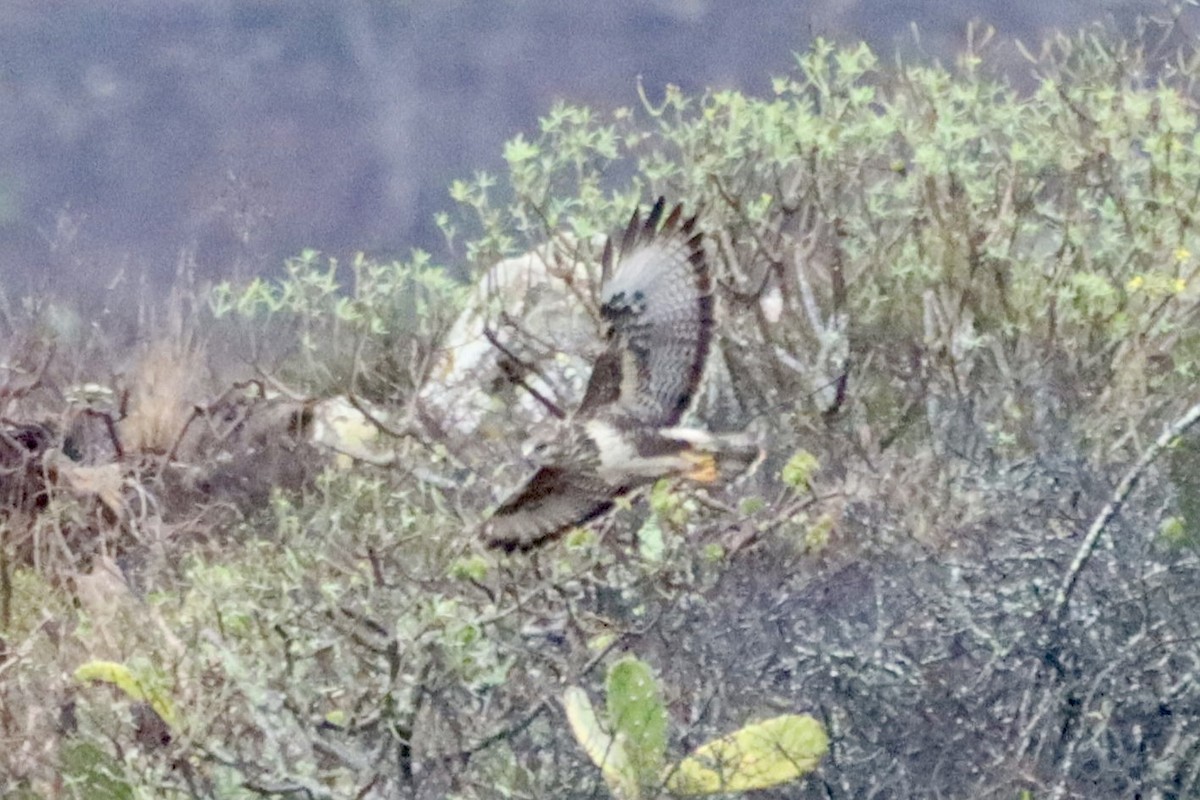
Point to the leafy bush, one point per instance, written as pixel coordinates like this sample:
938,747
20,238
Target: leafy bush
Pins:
955,312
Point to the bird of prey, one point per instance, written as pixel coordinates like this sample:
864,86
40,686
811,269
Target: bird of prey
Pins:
657,307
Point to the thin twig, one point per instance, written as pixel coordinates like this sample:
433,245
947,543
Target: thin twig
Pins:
543,705
9,391
513,376
110,427
1173,431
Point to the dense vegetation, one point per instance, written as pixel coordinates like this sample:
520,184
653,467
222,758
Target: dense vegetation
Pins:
961,318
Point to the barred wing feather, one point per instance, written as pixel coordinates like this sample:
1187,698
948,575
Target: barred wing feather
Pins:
657,302
554,500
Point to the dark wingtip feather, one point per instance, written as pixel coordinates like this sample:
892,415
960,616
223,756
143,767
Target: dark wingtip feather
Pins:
641,231
496,543
631,231
515,543
650,228
673,218
606,261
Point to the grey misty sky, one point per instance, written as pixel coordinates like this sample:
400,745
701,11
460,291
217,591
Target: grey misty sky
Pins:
241,132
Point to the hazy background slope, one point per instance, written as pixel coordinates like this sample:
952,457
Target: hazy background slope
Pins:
233,134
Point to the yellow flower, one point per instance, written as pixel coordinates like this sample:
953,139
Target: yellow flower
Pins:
1135,283
1178,285
1182,254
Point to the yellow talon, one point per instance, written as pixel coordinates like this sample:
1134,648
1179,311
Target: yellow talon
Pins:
704,469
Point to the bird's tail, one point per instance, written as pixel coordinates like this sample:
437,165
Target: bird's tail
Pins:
719,458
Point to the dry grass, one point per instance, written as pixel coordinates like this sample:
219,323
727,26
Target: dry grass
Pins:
164,386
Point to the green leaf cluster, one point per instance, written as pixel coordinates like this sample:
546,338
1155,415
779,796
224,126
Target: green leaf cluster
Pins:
630,744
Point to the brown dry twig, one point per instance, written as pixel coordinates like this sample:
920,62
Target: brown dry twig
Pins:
10,391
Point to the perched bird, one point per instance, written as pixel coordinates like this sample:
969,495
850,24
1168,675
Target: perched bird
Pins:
657,305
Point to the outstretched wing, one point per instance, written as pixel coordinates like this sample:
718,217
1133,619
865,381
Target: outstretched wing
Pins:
550,503
656,298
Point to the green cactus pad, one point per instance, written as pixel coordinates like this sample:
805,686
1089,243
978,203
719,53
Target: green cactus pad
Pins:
756,757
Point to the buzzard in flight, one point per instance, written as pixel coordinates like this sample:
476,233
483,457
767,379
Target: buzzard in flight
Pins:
657,306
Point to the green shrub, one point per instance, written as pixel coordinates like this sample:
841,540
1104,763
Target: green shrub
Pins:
948,306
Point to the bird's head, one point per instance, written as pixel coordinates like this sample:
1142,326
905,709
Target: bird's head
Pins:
541,451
